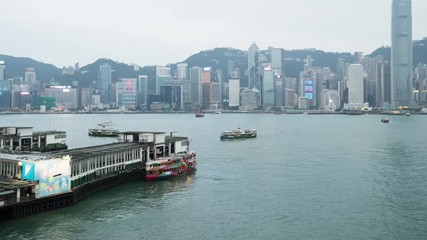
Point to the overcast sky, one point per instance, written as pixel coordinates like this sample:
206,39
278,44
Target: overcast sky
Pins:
158,32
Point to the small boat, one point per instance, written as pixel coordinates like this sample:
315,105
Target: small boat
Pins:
104,129
408,114
200,113
166,167
238,134
385,120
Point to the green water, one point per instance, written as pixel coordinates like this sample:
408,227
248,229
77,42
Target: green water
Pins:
303,177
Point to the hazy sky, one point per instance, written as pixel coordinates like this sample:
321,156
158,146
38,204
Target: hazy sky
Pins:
157,32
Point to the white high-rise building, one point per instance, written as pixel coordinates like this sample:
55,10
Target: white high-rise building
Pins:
401,53
30,76
181,71
234,92
355,86
2,68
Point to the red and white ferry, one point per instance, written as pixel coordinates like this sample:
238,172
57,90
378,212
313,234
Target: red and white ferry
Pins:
175,165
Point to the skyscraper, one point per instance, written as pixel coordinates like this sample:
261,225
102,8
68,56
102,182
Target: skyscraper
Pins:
181,71
30,76
268,88
196,86
130,93
401,53
5,94
142,90
355,86
104,82
278,61
206,78
308,63
2,67
163,75
383,86
254,72
234,92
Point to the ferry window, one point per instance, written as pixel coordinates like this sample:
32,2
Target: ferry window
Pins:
59,135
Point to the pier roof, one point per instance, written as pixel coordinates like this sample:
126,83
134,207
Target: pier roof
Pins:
16,127
11,184
86,152
141,132
22,156
47,132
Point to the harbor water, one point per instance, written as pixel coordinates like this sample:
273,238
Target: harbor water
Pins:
303,177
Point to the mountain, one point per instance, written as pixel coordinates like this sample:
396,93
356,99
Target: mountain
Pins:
320,59
15,66
88,74
419,52
218,59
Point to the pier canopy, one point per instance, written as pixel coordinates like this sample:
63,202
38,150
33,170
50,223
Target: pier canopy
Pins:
24,139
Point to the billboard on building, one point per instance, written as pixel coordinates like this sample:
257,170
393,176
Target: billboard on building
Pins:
308,89
53,176
28,170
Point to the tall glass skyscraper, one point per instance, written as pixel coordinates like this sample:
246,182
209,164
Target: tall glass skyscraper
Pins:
401,53
104,82
196,86
268,88
254,72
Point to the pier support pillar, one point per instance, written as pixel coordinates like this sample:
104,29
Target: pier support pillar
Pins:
18,195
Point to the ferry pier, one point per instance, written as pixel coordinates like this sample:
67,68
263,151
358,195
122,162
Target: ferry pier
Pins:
33,182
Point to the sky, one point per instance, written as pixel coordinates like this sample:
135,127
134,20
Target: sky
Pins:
158,32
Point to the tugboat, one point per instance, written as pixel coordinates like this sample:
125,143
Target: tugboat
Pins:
238,134
104,129
385,120
166,167
200,113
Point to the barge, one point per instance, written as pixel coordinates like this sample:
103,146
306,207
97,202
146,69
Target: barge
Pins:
33,182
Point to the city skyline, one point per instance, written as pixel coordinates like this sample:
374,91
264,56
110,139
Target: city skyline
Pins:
162,32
